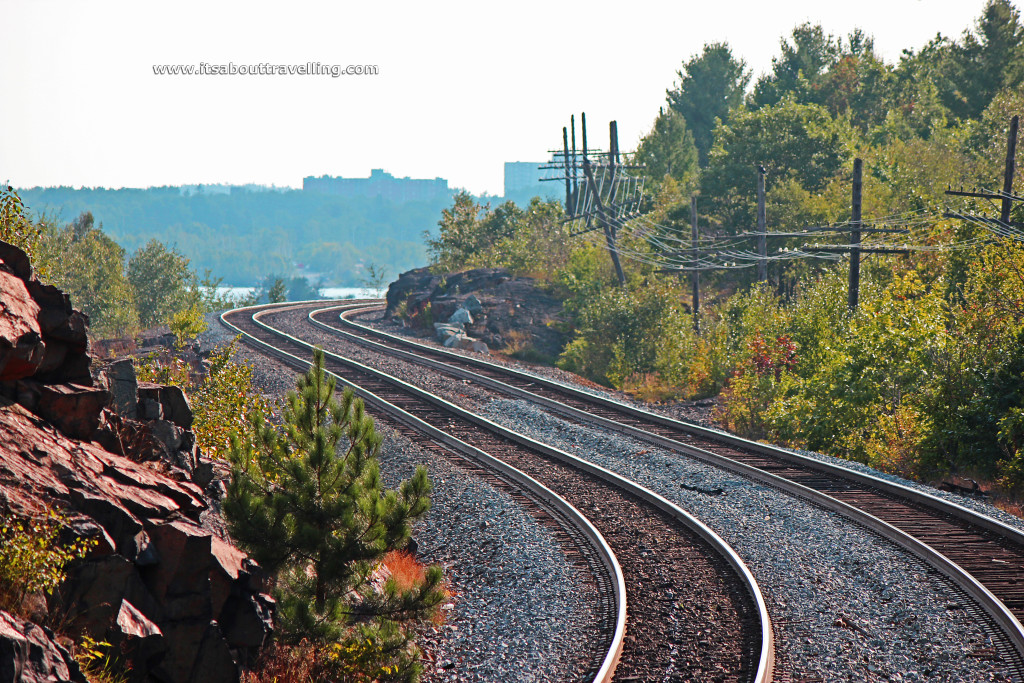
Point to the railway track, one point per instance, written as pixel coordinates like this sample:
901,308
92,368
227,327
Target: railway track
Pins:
694,610
983,556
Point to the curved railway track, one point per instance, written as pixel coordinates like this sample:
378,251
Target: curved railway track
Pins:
983,556
695,611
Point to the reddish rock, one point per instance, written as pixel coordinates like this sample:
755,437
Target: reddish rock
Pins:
71,408
21,341
28,654
178,602
137,640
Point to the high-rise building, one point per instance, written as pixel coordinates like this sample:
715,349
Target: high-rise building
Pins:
381,184
522,181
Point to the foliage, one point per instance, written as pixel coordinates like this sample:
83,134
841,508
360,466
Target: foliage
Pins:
83,261
308,503
186,324
985,60
793,141
15,226
531,241
97,660
33,559
710,86
223,403
668,150
164,283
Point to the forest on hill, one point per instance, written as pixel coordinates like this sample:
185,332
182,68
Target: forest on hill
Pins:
246,235
926,376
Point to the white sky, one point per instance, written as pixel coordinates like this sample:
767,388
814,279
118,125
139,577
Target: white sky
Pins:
463,86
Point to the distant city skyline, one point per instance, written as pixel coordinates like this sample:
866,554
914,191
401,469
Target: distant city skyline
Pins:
458,88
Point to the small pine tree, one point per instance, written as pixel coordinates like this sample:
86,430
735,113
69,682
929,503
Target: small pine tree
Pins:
307,502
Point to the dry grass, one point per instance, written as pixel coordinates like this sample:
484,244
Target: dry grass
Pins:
285,664
406,571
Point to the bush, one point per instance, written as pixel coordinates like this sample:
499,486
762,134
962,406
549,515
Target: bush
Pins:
32,558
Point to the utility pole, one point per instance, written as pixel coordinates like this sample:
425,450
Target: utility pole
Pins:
855,227
1006,197
602,213
695,308
565,158
762,228
1011,162
575,185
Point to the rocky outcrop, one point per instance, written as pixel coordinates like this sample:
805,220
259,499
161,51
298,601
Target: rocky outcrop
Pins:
481,309
29,654
177,600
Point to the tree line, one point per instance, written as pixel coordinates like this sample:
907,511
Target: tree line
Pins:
924,378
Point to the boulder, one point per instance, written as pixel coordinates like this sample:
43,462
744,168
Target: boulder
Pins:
72,408
123,387
175,406
472,304
461,317
16,260
29,654
138,640
21,342
454,341
445,330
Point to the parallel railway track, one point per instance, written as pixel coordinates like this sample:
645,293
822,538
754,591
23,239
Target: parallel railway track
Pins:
694,610
981,555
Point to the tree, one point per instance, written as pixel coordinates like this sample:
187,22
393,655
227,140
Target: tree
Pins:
306,500
710,85
986,61
15,227
794,141
163,281
668,150
805,58
80,259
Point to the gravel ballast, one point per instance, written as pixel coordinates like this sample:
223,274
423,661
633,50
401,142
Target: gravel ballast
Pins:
518,605
847,605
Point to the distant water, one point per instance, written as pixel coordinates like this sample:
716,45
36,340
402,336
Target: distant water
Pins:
327,292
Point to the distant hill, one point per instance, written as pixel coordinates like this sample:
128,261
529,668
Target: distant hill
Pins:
244,233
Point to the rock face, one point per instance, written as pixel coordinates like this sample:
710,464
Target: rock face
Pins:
481,308
28,654
117,455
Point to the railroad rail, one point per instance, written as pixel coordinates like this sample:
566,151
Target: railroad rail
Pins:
981,555
633,519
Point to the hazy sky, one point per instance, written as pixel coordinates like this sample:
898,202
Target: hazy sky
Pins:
463,86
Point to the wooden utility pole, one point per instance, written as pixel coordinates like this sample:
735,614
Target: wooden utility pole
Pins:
575,184
762,228
855,227
565,157
1011,163
602,215
696,273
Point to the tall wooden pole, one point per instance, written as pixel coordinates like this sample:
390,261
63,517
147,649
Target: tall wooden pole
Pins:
762,228
853,295
1011,164
565,160
602,213
696,273
575,185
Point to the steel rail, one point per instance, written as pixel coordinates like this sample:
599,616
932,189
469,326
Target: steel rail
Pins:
990,603
915,495
766,649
